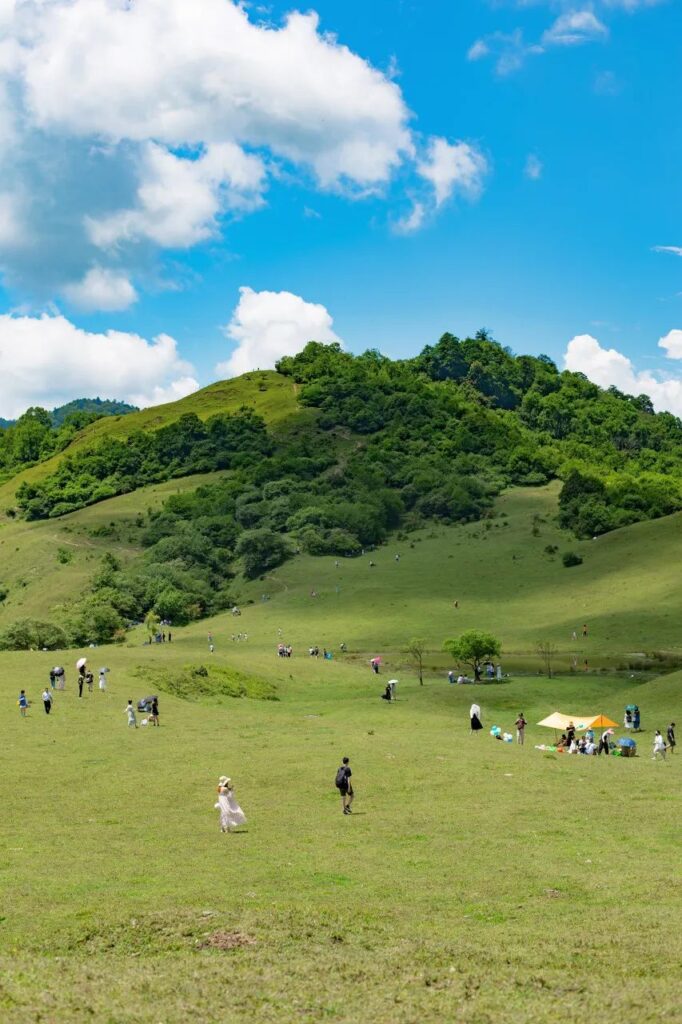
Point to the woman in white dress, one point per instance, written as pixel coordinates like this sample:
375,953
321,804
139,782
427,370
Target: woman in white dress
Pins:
231,814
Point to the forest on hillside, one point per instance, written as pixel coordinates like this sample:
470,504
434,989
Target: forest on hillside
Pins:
393,444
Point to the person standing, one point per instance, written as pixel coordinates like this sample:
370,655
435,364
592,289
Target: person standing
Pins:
451,677
585,630
231,814
155,711
90,680
344,785
23,703
604,742
47,700
392,684
475,724
170,636
81,680
521,724
659,746
102,680
130,712
672,743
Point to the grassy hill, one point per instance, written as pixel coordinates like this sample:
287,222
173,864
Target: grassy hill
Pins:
271,396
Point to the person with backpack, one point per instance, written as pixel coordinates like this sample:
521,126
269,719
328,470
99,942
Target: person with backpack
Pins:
344,785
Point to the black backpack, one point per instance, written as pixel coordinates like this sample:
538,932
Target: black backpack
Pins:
341,777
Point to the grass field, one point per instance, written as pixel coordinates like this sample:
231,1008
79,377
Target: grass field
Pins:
476,882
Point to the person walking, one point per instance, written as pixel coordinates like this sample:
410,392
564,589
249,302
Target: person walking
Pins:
344,785
231,814
659,746
475,724
129,710
154,716
103,680
23,703
521,724
672,743
47,700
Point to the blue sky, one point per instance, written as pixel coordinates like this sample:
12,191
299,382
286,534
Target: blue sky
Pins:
569,112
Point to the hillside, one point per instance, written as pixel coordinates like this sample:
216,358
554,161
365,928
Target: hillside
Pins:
266,393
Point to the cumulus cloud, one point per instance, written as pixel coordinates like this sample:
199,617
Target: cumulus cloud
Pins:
101,289
609,367
140,127
179,199
453,167
267,325
47,361
412,221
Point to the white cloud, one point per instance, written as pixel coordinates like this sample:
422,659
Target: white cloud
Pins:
268,325
673,250
608,367
179,199
47,361
101,289
412,221
453,168
478,50
140,126
575,28
533,169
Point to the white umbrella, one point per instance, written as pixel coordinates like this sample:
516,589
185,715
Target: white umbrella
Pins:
81,663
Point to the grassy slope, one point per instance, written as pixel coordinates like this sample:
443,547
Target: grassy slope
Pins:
273,397
38,583
477,882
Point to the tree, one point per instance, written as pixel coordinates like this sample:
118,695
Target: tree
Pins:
472,647
152,623
415,650
261,550
547,651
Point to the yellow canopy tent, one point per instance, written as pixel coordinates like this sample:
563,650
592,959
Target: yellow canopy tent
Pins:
559,721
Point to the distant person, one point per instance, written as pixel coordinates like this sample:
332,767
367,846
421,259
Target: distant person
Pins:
47,700
81,680
475,724
659,746
375,666
102,679
570,733
211,648
627,721
231,814
23,703
672,743
170,636
130,712
585,629
604,742
521,724
392,684
456,604
53,678
344,785
386,695
635,719
452,678
498,673
574,635
90,680
397,558
154,716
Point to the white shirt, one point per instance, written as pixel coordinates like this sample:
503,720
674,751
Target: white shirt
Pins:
659,743
47,696
474,710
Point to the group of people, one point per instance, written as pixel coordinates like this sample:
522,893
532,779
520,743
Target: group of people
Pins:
284,650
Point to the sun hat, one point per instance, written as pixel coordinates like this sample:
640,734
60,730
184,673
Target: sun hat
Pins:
223,780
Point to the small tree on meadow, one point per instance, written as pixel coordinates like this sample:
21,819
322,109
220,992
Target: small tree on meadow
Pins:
472,647
415,650
152,623
547,651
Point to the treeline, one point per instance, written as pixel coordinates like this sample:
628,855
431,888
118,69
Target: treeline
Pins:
39,434
116,466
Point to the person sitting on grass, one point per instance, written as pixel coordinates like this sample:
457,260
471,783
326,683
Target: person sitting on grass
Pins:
387,695
563,742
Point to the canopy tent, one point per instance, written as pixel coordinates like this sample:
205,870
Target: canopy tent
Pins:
580,722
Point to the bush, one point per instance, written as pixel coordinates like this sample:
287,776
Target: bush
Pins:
27,634
569,558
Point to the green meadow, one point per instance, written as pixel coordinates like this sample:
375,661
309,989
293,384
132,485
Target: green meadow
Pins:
476,881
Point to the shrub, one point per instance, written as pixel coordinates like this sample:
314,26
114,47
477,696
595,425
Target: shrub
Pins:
26,634
569,558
